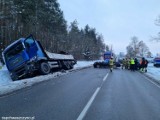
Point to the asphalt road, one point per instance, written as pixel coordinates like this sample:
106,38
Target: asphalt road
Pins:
89,94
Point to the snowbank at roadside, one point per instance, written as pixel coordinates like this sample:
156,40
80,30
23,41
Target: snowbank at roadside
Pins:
81,64
7,85
153,72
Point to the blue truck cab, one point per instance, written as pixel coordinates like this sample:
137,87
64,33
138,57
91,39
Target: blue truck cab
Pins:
107,56
26,55
105,63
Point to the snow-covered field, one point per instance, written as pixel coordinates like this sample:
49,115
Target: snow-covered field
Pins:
7,85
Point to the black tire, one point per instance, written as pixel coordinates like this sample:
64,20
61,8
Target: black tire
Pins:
94,65
71,66
14,77
66,65
44,68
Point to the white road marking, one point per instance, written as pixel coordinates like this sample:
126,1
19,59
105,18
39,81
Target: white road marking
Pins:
149,80
86,108
83,113
152,82
104,79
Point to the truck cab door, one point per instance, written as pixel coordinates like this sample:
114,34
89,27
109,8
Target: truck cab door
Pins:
31,47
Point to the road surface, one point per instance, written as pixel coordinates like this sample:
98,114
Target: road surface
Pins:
89,94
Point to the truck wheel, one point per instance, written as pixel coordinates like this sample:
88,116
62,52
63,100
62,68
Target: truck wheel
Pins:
66,65
14,77
94,65
71,66
44,68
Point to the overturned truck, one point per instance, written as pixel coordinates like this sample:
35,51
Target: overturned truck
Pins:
26,56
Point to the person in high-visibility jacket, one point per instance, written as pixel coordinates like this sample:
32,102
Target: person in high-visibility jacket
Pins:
123,63
129,64
146,65
126,63
142,65
136,64
111,63
132,64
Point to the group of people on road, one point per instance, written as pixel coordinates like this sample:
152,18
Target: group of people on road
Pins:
131,64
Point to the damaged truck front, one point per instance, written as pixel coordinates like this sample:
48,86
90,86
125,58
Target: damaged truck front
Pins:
26,56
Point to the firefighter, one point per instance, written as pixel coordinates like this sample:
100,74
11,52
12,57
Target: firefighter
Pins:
132,63
111,63
146,65
142,64
128,63
123,63
136,64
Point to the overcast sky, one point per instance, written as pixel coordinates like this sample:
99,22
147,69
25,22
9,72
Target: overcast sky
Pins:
116,20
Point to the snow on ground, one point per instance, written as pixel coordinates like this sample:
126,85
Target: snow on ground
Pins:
7,85
153,72
81,64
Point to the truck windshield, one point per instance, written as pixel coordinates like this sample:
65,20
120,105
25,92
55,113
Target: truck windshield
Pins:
14,50
29,42
107,56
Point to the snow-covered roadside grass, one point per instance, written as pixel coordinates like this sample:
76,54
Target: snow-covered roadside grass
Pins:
7,85
153,72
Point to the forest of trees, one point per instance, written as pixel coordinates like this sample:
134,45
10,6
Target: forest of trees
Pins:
45,20
137,48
